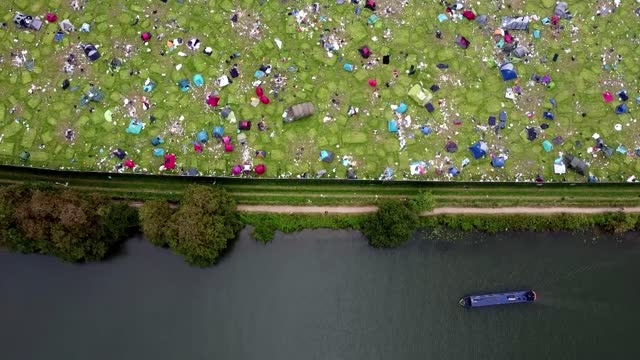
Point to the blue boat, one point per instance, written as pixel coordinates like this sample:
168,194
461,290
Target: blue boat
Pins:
512,297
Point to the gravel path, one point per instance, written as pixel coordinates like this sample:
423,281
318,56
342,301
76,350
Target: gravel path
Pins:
443,210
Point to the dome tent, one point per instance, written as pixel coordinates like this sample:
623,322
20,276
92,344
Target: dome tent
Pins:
479,149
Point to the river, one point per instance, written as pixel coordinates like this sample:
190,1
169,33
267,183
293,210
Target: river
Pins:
327,295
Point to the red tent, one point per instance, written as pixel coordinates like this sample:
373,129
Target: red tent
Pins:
197,147
259,91
260,169
51,17
264,99
469,15
170,161
212,100
228,147
130,164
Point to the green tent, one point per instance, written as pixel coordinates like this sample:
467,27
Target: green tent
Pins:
420,95
24,156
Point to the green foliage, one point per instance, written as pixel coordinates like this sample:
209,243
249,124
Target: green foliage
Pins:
154,217
422,202
392,225
63,223
205,222
265,225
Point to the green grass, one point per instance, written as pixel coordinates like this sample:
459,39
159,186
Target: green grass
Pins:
49,111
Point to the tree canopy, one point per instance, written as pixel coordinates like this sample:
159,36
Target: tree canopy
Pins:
203,225
392,225
154,217
63,223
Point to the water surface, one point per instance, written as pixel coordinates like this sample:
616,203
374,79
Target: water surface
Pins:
328,295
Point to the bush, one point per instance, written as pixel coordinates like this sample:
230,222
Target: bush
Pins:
422,202
154,217
62,223
205,222
392,225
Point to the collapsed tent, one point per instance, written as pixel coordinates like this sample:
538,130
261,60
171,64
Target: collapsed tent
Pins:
561,10
244,125
297,112
462,42
326,156
418,168
515,23
479,149
575,164
508,72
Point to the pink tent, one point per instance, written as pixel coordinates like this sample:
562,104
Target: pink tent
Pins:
236,170
145,36
264,99
130,164
226,140
212,100
170,161
607,97
228,147
260,169
373,82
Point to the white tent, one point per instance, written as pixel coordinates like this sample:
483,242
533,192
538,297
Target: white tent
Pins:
559,168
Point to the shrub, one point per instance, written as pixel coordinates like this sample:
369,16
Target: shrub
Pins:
154,218
205,222
392,225
422,202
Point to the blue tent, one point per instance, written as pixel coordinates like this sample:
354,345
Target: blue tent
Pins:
149,85
622,149
479,149
425,130
508,72
392,125
548,115
388,173
326,156
547,145
135,127
453,171
402,108
184,84
621,109
497,161
158,152
218,132
202,136
503,119
198,80
157,141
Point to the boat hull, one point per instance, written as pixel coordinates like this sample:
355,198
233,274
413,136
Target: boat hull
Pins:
506,298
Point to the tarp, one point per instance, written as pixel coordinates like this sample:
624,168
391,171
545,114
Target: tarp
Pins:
514,23
158,152
479,149
326,156
508,72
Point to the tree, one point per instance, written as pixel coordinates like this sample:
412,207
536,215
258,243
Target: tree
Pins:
392,225
154,218
205,222
66,224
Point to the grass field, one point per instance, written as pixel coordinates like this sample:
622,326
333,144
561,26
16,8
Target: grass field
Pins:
35,112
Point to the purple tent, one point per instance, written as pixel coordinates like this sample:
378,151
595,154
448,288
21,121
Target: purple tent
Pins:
236,170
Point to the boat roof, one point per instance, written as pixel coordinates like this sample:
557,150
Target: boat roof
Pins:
498,298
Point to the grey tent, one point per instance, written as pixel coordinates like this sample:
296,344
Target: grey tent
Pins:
298,111
515,23
561,10
575,164
519,51
482,20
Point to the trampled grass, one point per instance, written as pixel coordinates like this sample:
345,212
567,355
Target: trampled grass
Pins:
35,112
